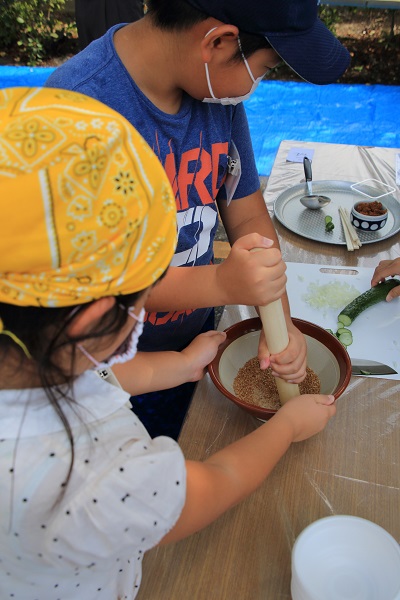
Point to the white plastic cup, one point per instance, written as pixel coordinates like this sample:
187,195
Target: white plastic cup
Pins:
345,558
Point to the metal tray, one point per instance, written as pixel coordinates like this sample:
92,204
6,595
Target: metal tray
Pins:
311,223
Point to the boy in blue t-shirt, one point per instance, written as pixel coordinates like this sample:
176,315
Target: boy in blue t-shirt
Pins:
179,75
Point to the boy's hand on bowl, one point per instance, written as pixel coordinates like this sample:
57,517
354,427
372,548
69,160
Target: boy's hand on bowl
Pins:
201,351
307,415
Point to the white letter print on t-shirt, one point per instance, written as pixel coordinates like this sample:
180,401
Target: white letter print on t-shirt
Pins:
205,217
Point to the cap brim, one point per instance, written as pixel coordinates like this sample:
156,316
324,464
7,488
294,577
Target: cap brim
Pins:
316,55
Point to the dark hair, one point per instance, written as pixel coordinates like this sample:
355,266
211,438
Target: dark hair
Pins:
174,14
44,332
179,15
250,44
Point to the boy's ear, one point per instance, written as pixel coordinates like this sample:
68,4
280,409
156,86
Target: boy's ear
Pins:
83,322
220,38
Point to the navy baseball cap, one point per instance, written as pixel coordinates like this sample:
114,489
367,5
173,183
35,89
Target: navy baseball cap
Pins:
292,28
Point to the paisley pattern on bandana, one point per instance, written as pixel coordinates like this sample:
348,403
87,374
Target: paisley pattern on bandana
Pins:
86,207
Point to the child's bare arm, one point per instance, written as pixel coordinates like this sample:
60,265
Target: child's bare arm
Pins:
152,371
243,277
233,473
240,219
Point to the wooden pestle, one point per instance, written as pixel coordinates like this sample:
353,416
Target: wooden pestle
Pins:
276,334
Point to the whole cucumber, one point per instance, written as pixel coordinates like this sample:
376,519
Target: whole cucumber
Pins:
369,298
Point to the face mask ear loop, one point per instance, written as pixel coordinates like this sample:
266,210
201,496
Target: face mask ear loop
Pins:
206,68
208,32
139,318
89,356
245,61
209,82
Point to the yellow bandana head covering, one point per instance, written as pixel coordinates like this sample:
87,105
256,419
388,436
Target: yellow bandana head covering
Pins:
86,207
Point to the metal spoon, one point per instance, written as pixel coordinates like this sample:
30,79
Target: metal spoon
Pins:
311,200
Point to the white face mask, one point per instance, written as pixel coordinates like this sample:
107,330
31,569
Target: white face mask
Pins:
235,99
129,346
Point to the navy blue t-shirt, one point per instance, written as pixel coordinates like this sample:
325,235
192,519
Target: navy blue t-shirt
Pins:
192,145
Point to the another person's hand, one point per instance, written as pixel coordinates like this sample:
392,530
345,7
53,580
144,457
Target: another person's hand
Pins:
201,351
387,268
307,415
252,278
290,364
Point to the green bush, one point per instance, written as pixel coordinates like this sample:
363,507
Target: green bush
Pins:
31,27
330,15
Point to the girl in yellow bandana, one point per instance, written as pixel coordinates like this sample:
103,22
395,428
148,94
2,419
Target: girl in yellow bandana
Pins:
88,227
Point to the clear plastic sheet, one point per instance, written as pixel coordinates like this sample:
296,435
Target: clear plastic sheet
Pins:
352,467
340,162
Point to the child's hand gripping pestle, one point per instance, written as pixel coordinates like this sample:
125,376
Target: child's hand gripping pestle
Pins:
276,335
277,338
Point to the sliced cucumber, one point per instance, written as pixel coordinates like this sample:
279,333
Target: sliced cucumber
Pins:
366,300
346,338
342,330
329,225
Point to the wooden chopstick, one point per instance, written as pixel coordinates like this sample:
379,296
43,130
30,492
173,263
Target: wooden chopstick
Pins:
353,232
349,241
353,242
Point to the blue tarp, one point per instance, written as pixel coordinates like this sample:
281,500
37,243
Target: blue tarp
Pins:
21,76
368,115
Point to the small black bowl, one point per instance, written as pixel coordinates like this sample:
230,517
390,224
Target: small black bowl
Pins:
368,222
